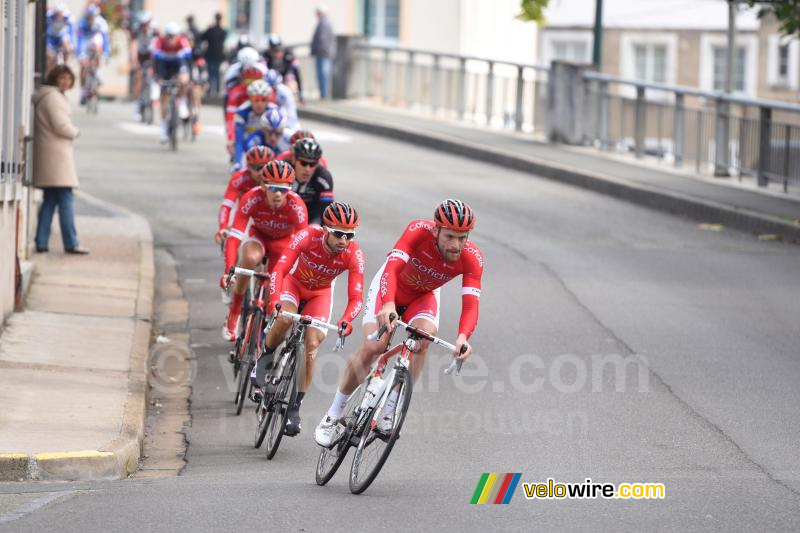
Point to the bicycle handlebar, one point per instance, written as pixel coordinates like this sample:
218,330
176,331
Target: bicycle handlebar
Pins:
317,323
454,365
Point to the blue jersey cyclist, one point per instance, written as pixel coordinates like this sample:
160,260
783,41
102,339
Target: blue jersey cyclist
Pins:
247,124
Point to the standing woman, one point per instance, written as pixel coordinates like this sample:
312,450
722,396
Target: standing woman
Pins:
53,163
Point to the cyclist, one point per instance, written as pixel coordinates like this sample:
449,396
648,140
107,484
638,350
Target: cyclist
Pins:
245,57
241,182
305,273
273,122
60,35
247,121
288,155
141,56
429,254
199,82
236,96
313,183
92,42
283,60
171,53
283,97
276,214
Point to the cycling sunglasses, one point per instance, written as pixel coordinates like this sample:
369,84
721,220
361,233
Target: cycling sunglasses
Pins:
348,235
308,164
256,168
278,188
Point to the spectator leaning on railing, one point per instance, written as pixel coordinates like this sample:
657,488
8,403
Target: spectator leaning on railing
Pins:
53,162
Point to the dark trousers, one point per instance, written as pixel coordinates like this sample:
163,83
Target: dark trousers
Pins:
213,76
60,197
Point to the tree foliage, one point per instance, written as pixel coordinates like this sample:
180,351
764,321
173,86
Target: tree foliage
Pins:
786,11
532,10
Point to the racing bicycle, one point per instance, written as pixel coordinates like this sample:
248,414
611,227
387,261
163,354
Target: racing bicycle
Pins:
359,425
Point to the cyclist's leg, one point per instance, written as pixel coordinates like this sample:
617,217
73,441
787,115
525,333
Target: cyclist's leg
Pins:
423,313
319,305
250,254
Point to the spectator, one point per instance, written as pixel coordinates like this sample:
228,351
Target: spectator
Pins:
214,39
53,162
323,48
195,37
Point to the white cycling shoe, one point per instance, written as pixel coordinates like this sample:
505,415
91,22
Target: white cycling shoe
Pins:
327,431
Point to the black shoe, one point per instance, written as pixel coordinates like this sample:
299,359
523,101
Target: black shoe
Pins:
263,366
293,424
255,395
41,250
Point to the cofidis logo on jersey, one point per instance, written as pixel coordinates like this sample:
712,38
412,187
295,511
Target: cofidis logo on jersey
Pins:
495,488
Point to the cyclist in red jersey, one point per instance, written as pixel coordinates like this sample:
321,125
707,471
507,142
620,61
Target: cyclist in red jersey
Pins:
429,254
276,214
306,272
236,96
241,182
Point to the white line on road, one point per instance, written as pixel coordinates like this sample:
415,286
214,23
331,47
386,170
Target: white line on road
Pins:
34,505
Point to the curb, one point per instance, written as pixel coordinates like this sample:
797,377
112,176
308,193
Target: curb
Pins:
120,457
652,197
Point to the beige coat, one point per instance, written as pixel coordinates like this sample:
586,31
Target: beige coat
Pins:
53,134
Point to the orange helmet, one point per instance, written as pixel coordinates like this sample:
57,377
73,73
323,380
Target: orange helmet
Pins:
259,156
300,134
278,172
340,215
455,215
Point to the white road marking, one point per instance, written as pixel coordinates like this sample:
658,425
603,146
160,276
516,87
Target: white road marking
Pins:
34,505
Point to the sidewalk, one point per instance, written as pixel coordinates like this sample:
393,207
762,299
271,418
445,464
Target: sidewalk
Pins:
699,198
72,364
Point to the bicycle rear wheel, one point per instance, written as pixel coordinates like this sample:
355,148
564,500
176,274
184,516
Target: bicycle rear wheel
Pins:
374,447
173,123
284,398
331,458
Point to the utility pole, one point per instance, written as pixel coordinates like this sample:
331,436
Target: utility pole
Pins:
597,51
721,163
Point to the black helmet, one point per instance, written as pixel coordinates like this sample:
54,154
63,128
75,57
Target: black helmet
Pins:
307,149
275,41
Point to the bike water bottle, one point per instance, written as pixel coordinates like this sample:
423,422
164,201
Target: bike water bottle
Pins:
374,392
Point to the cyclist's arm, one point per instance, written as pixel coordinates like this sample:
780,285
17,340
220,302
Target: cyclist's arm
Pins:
289,106
299,213
299,243
355,284
239,226
239,138
470,292
322,197
228,203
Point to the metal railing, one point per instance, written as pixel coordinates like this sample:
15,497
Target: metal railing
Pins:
715,133
480,90
707,132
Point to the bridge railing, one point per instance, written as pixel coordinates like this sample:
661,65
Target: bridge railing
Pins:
707,132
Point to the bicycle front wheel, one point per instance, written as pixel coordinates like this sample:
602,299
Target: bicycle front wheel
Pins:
284,398
331,458
173,123
247,361
375,446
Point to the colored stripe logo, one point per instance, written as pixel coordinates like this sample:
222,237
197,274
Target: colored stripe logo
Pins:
495,488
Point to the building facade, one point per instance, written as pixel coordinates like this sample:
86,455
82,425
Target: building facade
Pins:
676,42
17,29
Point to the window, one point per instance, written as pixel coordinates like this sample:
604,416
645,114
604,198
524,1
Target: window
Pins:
783,61
721,68
242,18
574,51
650,62
382,19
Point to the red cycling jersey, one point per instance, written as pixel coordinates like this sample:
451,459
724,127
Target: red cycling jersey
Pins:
240,183
309,263
415,267
237,95
289,156
268,224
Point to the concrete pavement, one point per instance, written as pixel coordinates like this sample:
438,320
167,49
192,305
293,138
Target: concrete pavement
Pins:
72,364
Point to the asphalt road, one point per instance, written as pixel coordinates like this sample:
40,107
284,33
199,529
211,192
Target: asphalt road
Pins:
705,397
